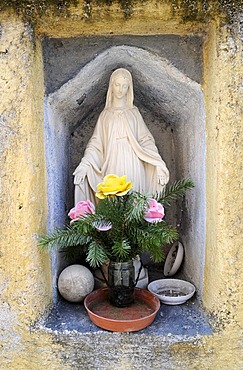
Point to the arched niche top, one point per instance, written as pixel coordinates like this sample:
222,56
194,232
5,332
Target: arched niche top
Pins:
160,86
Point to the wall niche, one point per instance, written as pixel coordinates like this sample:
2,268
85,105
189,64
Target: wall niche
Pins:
166,73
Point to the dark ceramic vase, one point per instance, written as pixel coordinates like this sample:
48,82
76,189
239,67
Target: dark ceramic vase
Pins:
121,279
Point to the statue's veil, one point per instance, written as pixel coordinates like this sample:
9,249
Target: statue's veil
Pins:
118,73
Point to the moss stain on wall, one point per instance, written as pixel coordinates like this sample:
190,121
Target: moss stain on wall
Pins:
189,10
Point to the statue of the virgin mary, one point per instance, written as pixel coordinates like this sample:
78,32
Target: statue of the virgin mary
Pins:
121,144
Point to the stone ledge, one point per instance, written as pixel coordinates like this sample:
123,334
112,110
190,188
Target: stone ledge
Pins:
183,322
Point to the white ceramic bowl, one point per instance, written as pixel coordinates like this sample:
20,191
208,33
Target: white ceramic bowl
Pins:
174,259
172,291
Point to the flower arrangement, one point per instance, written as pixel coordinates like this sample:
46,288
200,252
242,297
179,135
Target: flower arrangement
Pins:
124,224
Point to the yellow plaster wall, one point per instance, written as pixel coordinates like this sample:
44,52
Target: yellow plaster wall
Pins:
151,17
25,273
223,97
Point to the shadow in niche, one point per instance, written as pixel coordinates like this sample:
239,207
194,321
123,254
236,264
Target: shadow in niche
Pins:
173,109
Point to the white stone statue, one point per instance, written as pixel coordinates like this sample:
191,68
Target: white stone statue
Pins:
121,144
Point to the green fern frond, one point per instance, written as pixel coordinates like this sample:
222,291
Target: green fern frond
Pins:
136,206
62,238
152,237
96,255
121,249
157,254
175,191
111,209
168,233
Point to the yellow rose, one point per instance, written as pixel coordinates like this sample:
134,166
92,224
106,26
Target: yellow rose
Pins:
113,185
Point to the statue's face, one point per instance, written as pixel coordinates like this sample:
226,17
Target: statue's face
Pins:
120,87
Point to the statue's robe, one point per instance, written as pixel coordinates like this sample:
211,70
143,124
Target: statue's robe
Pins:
122,145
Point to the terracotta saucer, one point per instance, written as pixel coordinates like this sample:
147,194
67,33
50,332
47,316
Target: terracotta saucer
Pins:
137,316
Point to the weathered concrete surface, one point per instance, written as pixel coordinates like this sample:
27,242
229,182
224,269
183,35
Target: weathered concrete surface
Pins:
25,272
71,54
185,321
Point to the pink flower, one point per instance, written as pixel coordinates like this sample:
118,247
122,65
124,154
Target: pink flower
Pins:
155,212
81,209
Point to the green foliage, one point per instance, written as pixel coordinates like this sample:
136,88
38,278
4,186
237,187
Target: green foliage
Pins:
128,234
121,249
64,238
175,191
96,255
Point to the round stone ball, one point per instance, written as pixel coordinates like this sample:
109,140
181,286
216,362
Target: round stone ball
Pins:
75,283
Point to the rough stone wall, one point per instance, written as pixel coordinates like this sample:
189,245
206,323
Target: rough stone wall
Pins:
25,272
223,96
